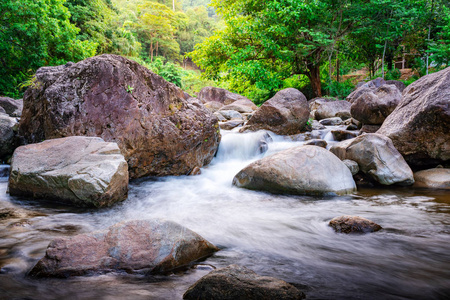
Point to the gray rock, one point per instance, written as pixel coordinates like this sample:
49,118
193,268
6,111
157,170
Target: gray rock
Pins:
331,121
352,166
317,142
220,117
213,106
400,85
231,114
420,125
4,170
339,108
377,157
223,96
373,107
369,129
437,178
230,124
316,125
236,282
303,170
153,246
8,132
11,106
237,107
367,87
81,171
353,224
286,113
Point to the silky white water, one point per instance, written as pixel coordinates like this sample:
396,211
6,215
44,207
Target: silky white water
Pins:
276,235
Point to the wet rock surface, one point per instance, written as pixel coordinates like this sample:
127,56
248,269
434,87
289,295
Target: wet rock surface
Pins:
157,130
303,170
8,133
81,171
420,125
437,178
286,113
140,246
377,157
353,224
237,282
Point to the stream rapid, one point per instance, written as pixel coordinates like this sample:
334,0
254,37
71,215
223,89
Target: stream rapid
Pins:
282,236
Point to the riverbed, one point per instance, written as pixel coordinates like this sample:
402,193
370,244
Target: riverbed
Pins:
287,237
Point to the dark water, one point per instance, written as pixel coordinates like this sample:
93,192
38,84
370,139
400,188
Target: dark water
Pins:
281,236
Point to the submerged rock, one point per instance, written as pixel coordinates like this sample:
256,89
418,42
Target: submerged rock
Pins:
377,157
153,246
353,224
158,131
81,171
303,170
236,282
420,125
437,178
286,113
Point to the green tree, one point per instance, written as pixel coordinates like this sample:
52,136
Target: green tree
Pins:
265,42
35,33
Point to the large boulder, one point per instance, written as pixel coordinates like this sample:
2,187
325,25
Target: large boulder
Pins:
339,108
420,125
236,282
139,246
285,113
373,107
366,87
437,178
8,132
11,106
223,96
82,171
399,84
377,157
302,170
158,131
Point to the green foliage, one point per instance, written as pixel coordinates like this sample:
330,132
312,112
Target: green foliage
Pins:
393,74
129,89
35,33
339,90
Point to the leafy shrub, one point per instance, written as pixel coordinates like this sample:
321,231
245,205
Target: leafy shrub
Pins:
393,74
339,90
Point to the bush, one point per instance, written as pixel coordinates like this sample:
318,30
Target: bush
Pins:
393,74
339,90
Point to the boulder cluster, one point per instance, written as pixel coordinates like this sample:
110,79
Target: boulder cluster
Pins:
84,129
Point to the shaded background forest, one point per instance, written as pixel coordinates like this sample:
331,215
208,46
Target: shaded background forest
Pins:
254,48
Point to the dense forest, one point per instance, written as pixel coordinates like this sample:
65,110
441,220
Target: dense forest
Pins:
252,47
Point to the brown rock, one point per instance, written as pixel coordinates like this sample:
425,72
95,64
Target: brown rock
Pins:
400,85
369,129
195,171
437,178
236,282
223,96
353,224
317,142
237,107
420,125
285,113
157,130
340,135
153,246
230,124
8,139
373,107
213,106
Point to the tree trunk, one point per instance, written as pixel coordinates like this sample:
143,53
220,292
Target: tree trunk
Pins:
157,46
314,78
151,51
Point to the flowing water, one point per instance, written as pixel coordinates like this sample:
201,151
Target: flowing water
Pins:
281,236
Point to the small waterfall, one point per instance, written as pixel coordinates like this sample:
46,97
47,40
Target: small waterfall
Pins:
242,146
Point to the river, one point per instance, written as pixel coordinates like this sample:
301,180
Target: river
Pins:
276,235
